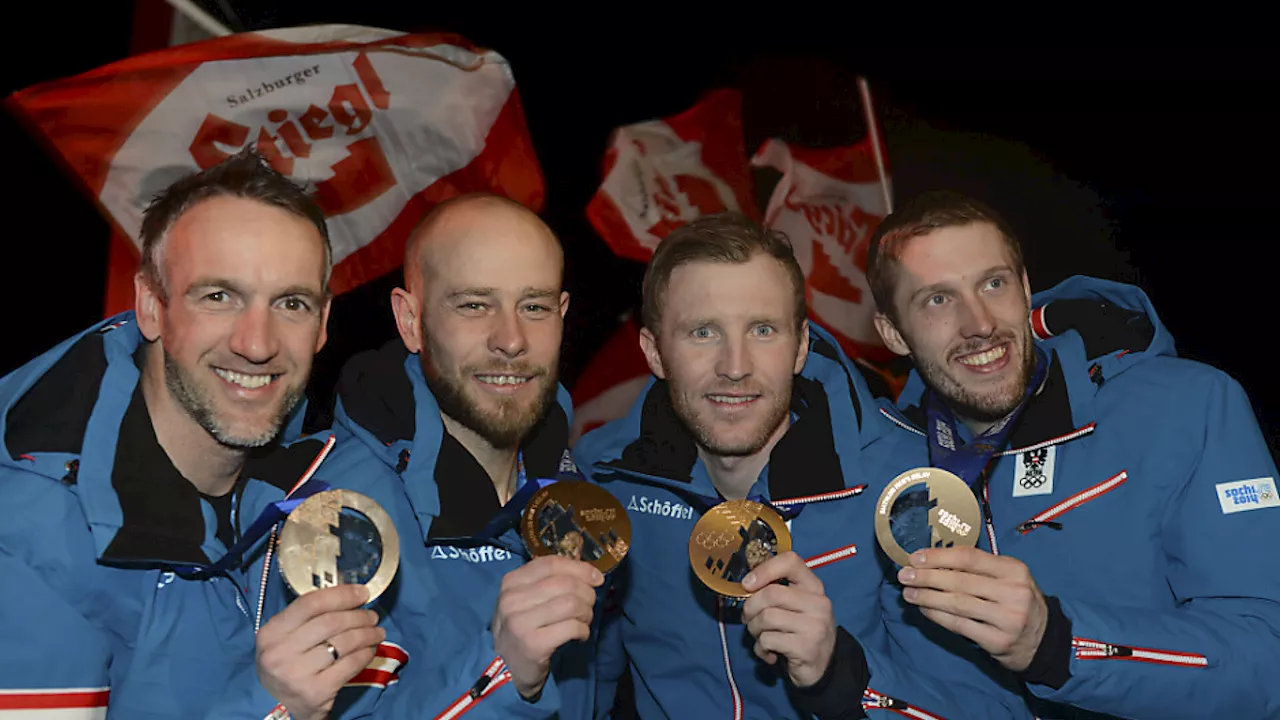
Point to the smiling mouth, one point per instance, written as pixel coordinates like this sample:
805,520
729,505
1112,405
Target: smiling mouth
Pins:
246,380
732,399
504,380
984,358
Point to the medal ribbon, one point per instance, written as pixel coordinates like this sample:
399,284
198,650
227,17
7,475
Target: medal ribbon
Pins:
968,460
509,516
267,519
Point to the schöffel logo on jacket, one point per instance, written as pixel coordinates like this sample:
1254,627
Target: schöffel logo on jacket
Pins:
665,508
1247,495
486,553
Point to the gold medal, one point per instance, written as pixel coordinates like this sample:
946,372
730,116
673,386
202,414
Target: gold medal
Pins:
577,519
339,537
923,508
731,539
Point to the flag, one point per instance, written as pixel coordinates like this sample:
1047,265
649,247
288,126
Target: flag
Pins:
379,124
660,174
611,383
829,201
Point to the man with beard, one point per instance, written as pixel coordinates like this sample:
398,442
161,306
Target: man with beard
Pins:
750,400
1119,483
138,452
465,414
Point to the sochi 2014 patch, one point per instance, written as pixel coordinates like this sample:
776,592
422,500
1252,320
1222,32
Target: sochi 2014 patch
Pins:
1248,495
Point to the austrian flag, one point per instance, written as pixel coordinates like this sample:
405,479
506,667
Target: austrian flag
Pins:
379,124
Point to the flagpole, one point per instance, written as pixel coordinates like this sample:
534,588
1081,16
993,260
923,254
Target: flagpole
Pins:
873,129
200,17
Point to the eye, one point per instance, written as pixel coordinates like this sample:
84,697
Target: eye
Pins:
935,300
295,304
536,308
472,306
995,283
764,330
701,333
217,296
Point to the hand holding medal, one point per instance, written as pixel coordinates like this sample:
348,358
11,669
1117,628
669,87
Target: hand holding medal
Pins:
338,551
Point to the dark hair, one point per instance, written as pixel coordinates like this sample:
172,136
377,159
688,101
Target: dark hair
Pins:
244,175
727,237
922,215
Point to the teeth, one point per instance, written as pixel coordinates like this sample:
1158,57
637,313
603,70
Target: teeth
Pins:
989,356
249,382
731,399
503,379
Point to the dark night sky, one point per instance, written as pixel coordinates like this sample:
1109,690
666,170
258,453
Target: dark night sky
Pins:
1153,166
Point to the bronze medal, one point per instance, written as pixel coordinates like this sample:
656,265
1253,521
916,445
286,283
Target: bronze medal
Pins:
338,537
731,539
923,508
577,519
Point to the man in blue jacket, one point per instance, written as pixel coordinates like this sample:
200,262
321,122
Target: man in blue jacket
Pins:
1121,486
464,414
751,401
137,452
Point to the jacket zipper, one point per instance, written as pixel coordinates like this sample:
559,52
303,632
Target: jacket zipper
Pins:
494,677
872,700
1048,516
1094,650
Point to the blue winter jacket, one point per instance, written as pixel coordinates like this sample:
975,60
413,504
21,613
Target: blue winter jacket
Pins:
390,432
691,657
1139,491
102,613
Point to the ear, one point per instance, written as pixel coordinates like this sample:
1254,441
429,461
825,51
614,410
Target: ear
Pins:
803,355
649,346
564,303
324,324
890,335
1026,287
147,306
407,310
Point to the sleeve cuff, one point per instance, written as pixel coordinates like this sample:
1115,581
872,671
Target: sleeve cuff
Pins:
838,693
1051,665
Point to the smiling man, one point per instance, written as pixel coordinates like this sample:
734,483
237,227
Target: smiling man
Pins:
137,452
1109,579
464,413
749,400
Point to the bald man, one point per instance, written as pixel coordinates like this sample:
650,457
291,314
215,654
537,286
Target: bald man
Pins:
462,411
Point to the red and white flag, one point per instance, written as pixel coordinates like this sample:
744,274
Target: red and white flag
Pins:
829,202
611,383
380,124
660,174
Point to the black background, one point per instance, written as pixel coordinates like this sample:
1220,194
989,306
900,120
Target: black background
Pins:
1147,165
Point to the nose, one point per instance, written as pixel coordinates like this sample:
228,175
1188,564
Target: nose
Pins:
254,336
508,337
734,362
976,319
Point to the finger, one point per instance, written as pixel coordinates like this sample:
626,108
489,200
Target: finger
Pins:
765,655
960,582
525,597
315,660
546,566
788,566
341,672
968,606
552,612
550,637
319,602
986,636
972,560
779,620
788,597
319,630
791,646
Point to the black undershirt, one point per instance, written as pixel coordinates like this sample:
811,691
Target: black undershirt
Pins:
222,511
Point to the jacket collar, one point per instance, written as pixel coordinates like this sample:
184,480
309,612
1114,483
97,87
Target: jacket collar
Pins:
803,463
1061,411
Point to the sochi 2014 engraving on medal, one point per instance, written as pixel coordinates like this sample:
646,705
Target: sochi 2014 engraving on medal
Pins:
339,537
579,520
731,539
923,508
